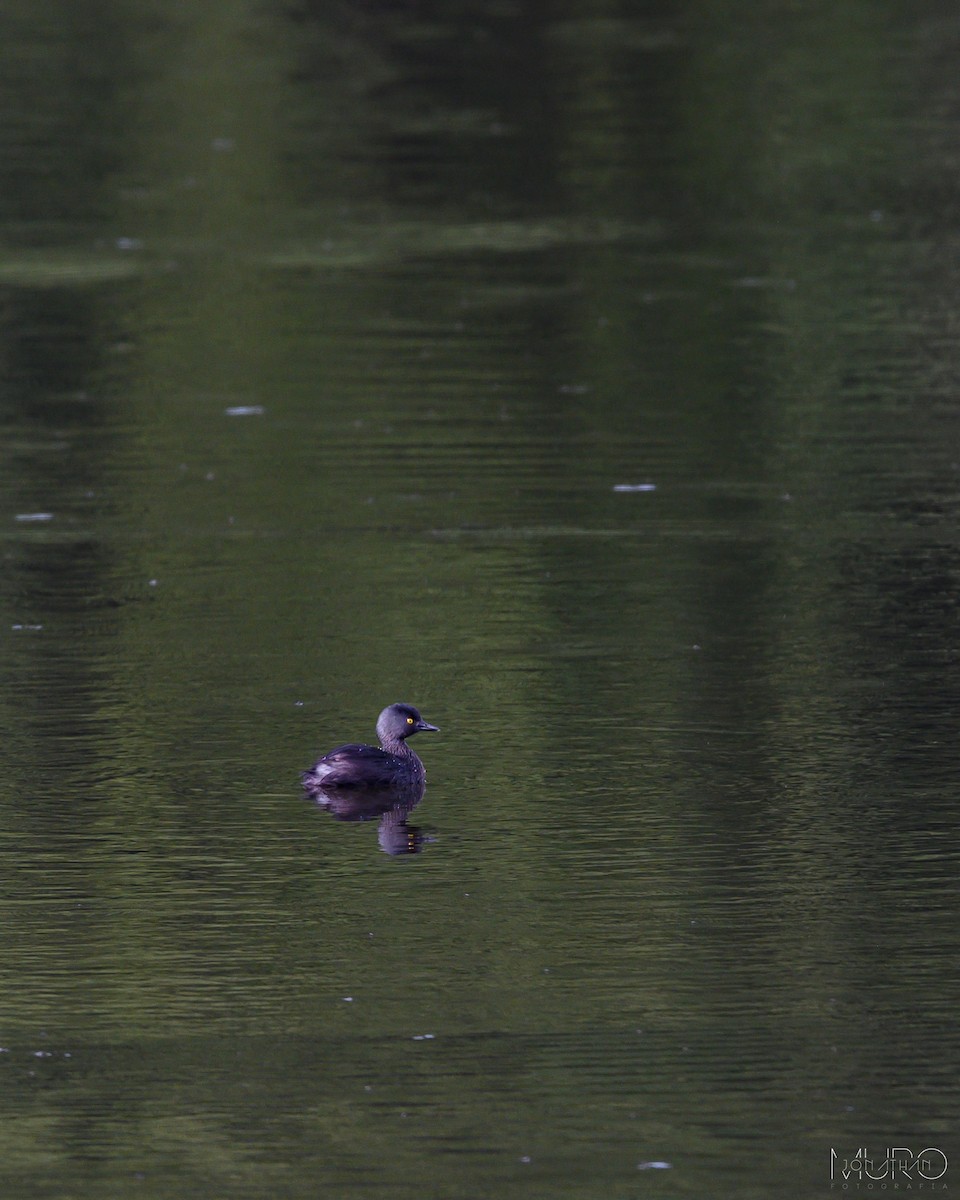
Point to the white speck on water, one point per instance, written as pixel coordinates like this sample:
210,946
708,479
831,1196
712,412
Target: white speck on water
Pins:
245,410
27,628
634,487
34,516
654,1166
129,243
298,704
153,583
424,1037
348,999
765,281
525,1158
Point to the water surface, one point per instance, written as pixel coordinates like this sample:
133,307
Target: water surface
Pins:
586,380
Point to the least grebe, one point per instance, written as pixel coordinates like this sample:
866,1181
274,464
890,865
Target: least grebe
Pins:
394,764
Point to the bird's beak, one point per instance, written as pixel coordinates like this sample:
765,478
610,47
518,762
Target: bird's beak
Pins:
426,727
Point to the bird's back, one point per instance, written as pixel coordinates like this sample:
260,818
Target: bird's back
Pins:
356,765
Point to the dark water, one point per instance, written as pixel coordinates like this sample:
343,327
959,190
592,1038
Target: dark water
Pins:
589,378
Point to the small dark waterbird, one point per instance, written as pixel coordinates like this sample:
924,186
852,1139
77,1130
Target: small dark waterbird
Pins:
393,765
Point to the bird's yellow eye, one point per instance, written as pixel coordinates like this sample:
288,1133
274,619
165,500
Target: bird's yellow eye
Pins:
409,720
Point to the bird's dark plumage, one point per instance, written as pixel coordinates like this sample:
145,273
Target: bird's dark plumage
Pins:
393,764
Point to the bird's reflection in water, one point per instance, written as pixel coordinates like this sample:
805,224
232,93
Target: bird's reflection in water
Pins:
391,804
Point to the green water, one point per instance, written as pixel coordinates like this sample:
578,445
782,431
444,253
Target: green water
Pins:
587,378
